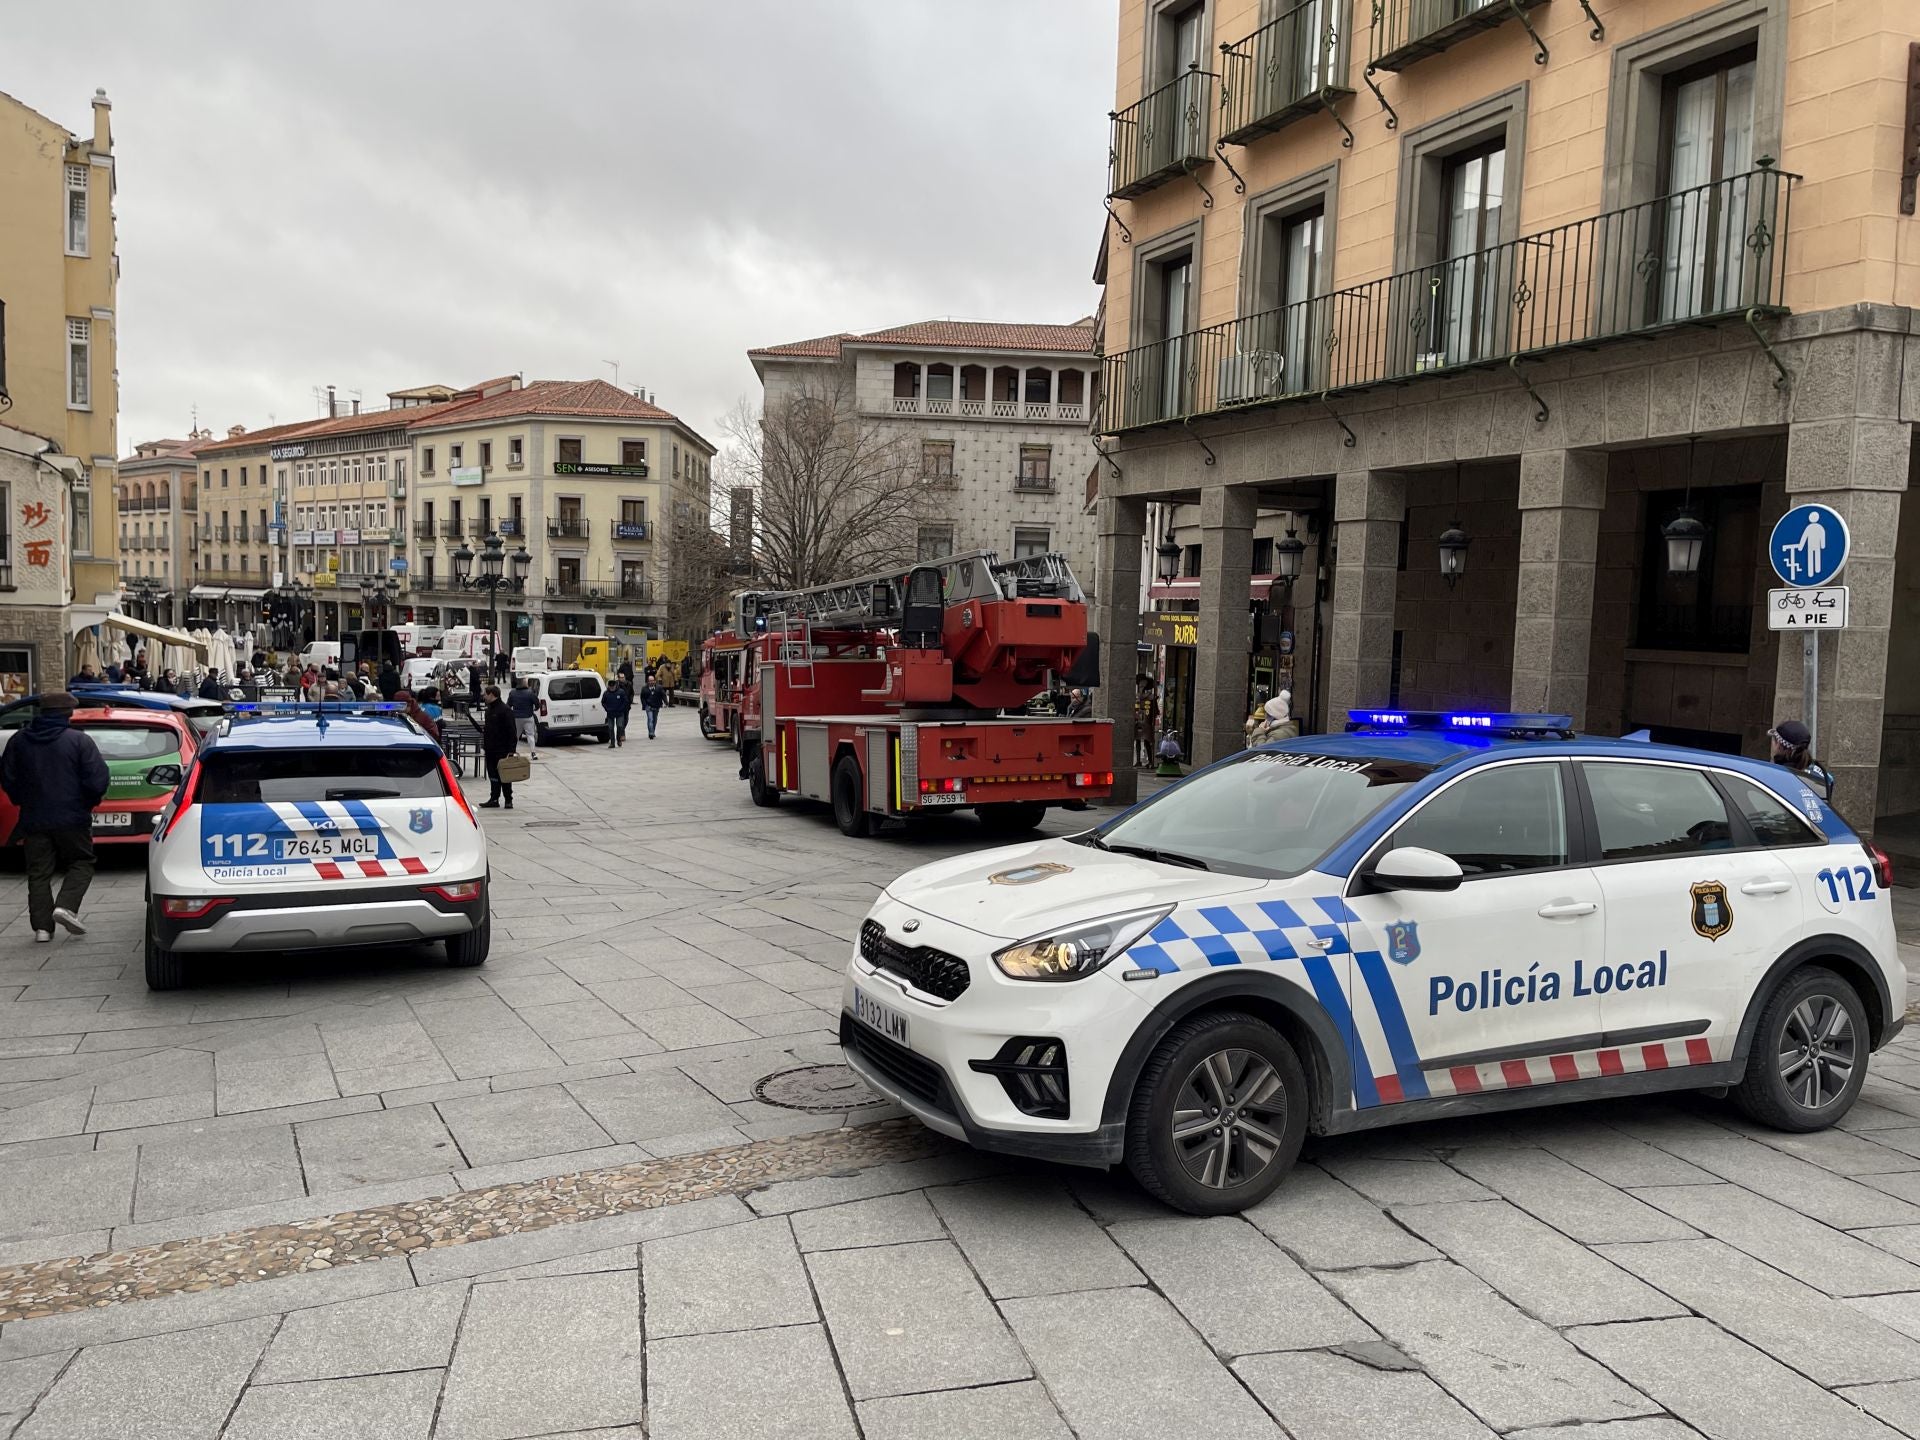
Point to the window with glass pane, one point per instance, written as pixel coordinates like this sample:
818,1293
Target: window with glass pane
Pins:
936,459
76,209
1707,122
1301,237
569,452
80,364
632,452
1029,541
1172,390
1771,821
934,542
1465,315
1501,820
633,512
1036,465
1646,811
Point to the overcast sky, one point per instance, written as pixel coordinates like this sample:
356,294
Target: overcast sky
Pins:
381,195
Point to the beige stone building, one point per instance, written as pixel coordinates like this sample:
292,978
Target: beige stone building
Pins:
59,387
156,512
1547,279
997,413
592,480
240,557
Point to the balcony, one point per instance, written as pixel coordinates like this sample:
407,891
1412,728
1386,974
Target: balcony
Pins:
1037,484
450,529
629,532
223,533
1161,135
1288,68
423,529
567,527
1712,253
640,591
1408,30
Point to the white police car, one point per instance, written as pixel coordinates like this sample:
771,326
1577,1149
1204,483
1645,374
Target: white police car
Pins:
315,826
1429,915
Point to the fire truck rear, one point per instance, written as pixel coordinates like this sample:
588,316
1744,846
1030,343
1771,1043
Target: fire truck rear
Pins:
904,693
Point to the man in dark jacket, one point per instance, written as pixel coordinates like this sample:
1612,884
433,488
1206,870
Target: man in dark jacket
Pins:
652,696
617,701
496,743
210,686
525,706
55,775
389,681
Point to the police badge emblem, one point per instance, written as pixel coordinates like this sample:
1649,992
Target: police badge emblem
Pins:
1403,941
420,821
1712,911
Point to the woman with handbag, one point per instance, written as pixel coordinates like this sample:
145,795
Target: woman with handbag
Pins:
498,742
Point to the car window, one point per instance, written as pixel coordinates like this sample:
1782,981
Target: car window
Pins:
1512,817
589,687
132,742
1265,813
1644,811
565,688
1772,822
252,777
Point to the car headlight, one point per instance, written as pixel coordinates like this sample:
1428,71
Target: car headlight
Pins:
1081,950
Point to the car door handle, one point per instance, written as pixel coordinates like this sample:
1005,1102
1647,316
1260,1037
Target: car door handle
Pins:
1567,909
1766,887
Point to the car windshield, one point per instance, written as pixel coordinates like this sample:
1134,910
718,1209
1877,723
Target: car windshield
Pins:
1273,813
251,777
132,742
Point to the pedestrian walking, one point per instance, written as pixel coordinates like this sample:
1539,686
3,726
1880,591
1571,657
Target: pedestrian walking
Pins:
652,697
617,701
497,742
55,775
525,706
476,677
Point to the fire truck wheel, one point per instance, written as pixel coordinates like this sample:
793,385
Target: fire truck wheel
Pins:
763,794
1015,818
706,724
738,739
848,811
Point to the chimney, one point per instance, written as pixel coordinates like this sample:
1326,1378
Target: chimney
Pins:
356,404
234,432
333,406
102,124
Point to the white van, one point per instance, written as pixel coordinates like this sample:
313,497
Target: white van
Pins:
465,642
531,660
567,702
419,639
321,654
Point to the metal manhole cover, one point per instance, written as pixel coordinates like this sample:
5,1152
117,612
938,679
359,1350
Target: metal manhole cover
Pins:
549,824
816,1087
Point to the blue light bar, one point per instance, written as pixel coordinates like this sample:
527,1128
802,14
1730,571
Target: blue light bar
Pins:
1488,722
317,707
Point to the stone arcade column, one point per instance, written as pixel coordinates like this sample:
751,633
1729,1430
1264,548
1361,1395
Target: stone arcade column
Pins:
1226,622
1368,508
1859,467
1116,620
1562,493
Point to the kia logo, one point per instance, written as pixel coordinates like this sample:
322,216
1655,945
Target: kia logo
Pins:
911,926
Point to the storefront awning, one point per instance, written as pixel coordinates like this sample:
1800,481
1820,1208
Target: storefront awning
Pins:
158,634
224,592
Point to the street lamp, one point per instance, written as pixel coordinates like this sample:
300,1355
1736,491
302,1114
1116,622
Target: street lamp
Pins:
1453,553
1685,534
494,562
1168,553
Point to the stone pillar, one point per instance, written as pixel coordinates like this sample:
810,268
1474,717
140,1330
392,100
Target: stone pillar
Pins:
1053,393
920,399
1859,468
1116,620
1368,509
1226,622
1562,493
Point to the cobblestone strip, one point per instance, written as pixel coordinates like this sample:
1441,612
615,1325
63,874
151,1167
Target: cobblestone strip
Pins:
55,1287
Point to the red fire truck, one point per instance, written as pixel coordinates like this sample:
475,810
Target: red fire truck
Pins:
723,668
898,694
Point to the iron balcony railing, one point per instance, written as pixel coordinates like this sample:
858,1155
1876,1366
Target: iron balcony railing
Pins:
568,527
1161,134
641,590
1290,67
1698,255
1408,30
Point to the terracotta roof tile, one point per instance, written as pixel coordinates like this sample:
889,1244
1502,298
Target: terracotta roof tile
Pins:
1078,338
821,347
586,399
254,437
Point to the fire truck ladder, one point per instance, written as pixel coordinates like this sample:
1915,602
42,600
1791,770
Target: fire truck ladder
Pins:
796,647
877,599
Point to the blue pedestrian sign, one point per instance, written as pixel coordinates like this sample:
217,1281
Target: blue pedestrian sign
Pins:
1809,545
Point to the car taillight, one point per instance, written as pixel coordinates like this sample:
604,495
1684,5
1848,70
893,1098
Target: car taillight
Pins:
183,907
460,892
189,789
1882,865
1087,779
453,789
543,707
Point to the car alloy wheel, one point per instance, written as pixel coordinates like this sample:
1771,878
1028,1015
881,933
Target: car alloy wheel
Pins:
1229,1119
1818,1051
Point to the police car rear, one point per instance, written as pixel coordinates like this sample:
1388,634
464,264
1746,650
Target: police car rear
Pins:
315,827
1429,915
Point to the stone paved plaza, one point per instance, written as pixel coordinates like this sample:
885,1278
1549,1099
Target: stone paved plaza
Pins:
1631,1271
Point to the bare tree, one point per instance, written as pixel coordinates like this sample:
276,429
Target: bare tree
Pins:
836,494
702,584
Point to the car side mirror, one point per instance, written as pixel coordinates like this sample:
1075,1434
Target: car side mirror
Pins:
163,775
1409,867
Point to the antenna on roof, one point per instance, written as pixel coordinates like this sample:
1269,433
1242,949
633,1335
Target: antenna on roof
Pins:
616,371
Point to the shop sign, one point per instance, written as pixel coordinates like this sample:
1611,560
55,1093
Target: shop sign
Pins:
1158,628
576,467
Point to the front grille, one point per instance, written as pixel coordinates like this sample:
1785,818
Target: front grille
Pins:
934,972
1033,1072
918,1077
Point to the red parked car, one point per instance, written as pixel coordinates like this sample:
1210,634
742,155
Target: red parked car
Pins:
146,752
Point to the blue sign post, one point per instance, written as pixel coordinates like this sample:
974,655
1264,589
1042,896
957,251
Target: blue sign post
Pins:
1808,547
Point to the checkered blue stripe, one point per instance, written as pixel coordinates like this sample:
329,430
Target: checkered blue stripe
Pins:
1262,930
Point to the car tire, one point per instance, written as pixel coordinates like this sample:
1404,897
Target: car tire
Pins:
469,951
1194,1070
849,805
166,969
764,795
1013,818
606,735
1809,1055
542,735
